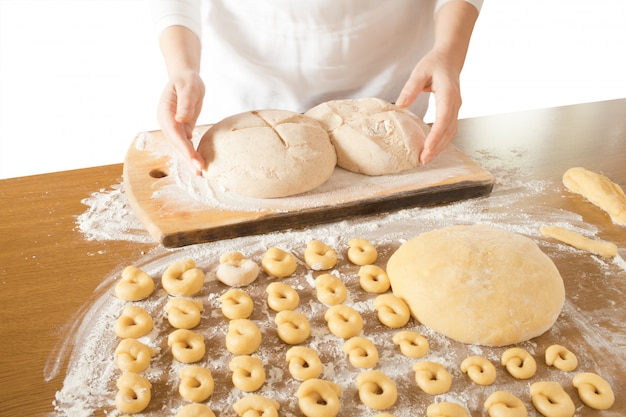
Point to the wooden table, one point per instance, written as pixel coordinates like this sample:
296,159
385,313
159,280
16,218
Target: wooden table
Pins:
48,270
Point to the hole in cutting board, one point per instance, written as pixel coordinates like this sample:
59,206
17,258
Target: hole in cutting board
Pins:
158,173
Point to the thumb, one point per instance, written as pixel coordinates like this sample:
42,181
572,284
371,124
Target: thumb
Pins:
416,83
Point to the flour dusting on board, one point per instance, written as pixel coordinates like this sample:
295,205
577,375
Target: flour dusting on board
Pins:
596,337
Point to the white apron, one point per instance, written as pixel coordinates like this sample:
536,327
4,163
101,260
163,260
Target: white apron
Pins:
295,54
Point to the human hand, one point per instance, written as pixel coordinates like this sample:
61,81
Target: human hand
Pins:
435,73
177,113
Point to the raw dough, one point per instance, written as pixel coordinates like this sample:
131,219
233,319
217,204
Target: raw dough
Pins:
599,190
478,284
598,247
372,136
268,153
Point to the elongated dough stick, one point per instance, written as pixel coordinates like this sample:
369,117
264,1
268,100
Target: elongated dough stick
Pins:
599,190
598,247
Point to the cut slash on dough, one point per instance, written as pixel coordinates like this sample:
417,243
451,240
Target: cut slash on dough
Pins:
597,247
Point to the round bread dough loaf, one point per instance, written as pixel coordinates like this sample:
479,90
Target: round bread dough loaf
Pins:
268,153
478,284
372,136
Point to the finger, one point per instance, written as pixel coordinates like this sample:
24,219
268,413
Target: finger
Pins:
444,128
417,82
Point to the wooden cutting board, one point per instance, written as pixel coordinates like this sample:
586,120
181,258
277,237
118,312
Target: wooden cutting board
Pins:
179,208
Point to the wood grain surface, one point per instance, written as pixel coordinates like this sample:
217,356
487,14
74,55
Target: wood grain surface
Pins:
49,272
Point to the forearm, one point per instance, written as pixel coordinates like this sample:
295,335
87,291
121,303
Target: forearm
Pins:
454,24
181,50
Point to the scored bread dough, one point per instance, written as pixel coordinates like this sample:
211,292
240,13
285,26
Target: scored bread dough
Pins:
372,136
268,153
599,190
478,284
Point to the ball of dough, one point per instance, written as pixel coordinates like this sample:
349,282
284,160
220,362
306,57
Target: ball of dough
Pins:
478,284
372,136
268,153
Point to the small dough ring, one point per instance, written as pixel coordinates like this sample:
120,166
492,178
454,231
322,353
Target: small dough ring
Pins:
134,285
376,390
236,304
281,296
195,410
133,323
182,278
432,377
133,356
319,398
183,313
278,263
134,393
361,352
519,363
304,363
196,383
594,390
235,270
551,400
319,256
412,344
445,409
254,405
343,321
330,289
361,252
293,328
248,372
243,337
373,279
479,369
187,346
561,357
505,404
392,311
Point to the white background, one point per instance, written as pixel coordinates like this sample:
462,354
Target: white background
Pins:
80,78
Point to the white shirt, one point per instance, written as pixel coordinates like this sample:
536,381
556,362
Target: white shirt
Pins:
295,54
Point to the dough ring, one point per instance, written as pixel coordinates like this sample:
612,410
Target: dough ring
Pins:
182,278
281,296
319,256
561,358
278,263
376,390
594,390
519,363
319,398
361,352
183,313
236,304
392,311
479,369
412,344
445,409
134,285
243,337
304,363
133,356
187,346
133,323
248,372
343,321
361,252
134,393
373,279
235,270
196,383
551,400
293,328
330,289
254,405
505,404
195,410
432,377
